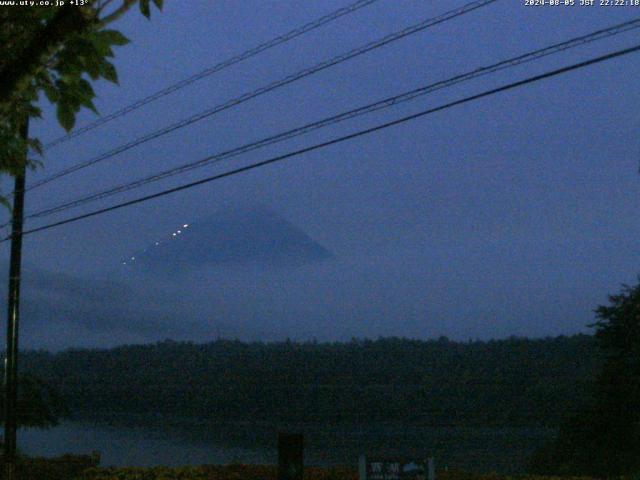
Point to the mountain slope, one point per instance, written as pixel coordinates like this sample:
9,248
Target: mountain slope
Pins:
238,236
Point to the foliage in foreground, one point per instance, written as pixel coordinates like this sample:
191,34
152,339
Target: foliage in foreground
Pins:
261,472
85,467
65,467
57,52
603,438
212,472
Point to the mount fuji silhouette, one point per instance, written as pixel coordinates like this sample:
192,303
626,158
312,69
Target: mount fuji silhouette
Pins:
233,237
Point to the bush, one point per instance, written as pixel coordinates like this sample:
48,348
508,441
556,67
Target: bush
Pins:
65,467
212,472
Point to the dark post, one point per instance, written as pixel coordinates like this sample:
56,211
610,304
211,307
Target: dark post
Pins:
290,456
11,361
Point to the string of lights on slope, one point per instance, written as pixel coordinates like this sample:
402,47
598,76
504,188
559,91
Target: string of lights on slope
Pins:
472,98
157,243
379,105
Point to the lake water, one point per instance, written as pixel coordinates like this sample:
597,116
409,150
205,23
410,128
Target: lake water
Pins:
156,442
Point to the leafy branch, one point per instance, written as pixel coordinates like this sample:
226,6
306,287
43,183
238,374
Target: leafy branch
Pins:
59,53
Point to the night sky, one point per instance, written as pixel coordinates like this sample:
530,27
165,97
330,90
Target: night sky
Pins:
513,215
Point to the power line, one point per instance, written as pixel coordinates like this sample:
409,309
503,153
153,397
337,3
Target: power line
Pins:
334,141
270,87
379,105
214,69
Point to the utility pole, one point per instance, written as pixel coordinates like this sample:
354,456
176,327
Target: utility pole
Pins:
13,316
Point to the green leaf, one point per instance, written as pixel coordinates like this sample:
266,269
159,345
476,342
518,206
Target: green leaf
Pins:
51,92
144,8
66,116
66,68
46,14
35,145
35,113
33,164
4,201
101,46
85,89
92,65
113,37
108,71
89,104
159,3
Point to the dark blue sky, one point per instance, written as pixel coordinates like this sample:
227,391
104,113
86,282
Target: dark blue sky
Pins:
513,215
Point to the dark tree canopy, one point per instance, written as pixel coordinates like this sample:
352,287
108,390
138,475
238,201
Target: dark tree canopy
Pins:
511,382
604,437
56,52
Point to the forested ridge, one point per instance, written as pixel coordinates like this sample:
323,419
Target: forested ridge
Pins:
516,381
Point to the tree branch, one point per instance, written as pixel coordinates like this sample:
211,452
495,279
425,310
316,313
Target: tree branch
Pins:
68,21
116,14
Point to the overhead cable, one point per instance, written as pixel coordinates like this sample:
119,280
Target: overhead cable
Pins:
337,140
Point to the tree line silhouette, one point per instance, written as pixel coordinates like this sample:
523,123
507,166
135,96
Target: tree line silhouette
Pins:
516,381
